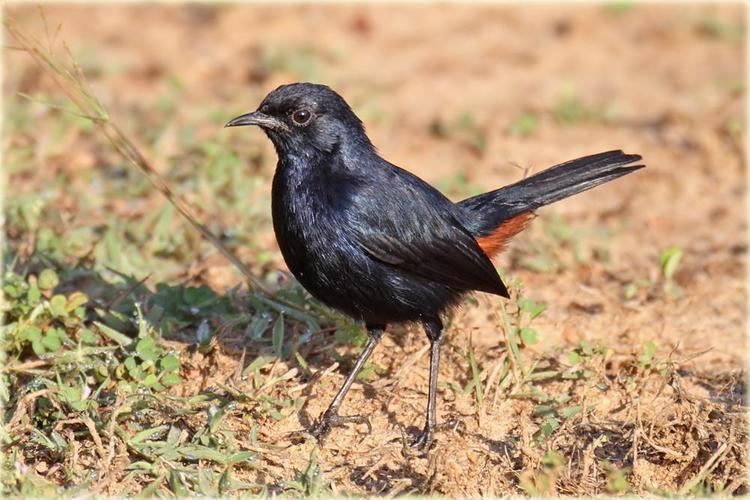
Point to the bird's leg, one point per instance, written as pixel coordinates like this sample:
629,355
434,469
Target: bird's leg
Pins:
434,331
331,416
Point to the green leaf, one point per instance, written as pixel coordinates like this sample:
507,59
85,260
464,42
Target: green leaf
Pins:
155,314
524,125
170,379
176,483
529,336
670,259
543,375
257,364
203,334
586,348
75,300
205,483
277,336
37,347
543,410
574,358
351,333
173,436
240,456
113,334
549,426
148,434
530,306
140,464
48,279
137,373
570,411
647,355
88,337
150,380
33,295
12,291
367,372
302,361
31,333
169,363
70,394
202,453
215,415
130,363
57,306
553,459
51,341
147,349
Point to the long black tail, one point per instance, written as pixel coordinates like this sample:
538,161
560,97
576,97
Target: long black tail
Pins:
486,212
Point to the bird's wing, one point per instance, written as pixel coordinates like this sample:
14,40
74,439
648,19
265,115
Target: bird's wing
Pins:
413,229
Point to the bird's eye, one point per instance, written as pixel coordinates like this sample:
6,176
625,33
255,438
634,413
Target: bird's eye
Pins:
301,116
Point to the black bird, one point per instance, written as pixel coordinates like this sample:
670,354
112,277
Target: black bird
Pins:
380,244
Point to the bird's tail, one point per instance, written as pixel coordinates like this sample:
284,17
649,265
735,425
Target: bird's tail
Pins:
496,216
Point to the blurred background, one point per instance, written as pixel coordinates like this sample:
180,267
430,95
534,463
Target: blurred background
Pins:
467,97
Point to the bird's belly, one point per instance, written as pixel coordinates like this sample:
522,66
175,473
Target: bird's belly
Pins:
338,273
320,253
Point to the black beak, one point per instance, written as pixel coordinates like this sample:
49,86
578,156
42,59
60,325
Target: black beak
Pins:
259,119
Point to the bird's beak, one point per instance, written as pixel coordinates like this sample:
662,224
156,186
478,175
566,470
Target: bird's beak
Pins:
259,119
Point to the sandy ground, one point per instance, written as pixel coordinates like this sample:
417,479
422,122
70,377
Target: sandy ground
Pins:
656,80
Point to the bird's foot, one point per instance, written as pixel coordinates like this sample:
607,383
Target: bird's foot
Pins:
322,427
422,440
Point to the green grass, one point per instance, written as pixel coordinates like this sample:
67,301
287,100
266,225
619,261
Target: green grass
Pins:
618,8
77,347
99,315
564,245
525,125
462,129
571,109
715,27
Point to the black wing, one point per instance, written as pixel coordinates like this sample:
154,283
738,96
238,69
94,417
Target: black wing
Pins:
414,229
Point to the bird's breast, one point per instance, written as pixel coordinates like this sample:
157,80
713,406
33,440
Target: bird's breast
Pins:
309,208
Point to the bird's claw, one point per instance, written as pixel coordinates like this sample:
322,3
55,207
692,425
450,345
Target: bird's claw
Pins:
323,427
423,440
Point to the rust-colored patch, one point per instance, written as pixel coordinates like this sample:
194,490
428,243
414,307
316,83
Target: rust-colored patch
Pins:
494,242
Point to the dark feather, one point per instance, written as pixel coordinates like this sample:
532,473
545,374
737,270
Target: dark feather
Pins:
485,212
426,240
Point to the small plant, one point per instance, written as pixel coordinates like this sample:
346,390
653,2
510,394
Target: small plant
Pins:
669,261
310,482
525,125
464,129
580,360
62,330
38,321
571,110
541,482
717,28
617,478
580,245
631,289
619,7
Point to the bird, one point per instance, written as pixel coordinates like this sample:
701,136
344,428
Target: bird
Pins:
376,242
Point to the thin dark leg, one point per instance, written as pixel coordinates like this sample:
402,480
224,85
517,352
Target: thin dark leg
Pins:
434,331
331,416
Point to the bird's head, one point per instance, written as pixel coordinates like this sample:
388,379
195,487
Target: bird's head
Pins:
303,119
